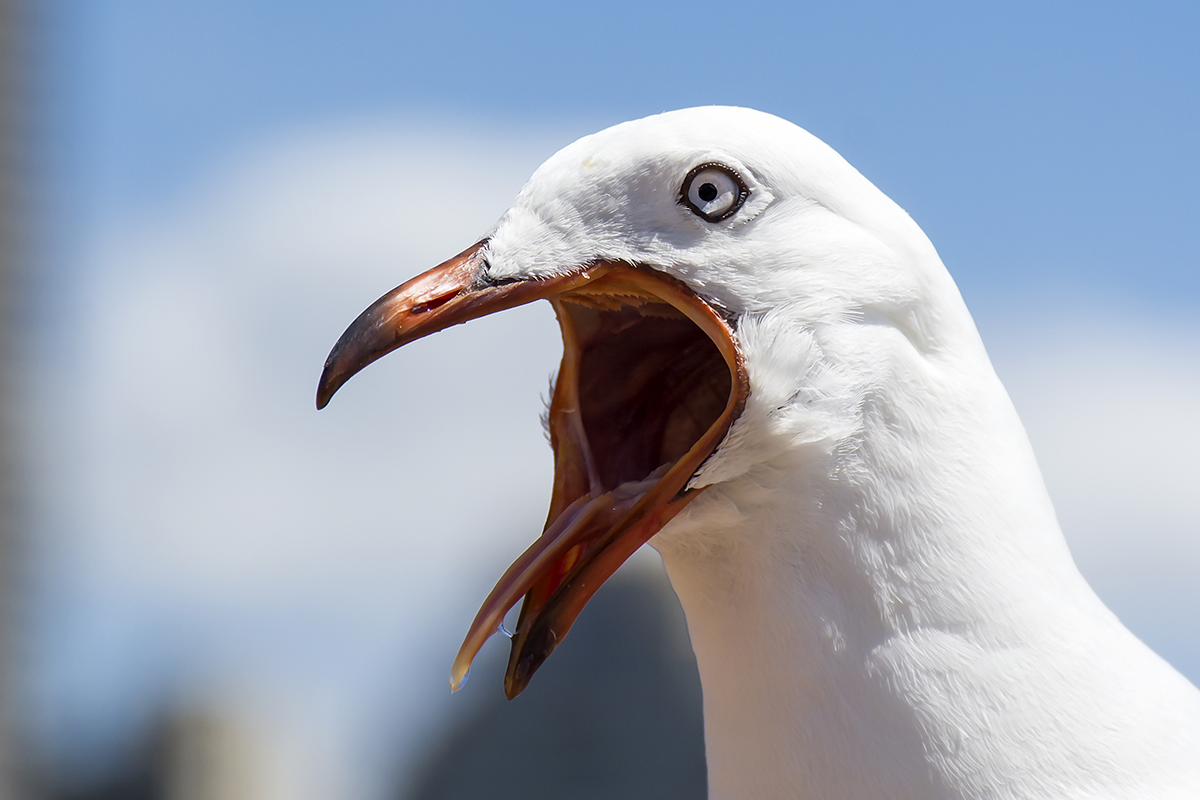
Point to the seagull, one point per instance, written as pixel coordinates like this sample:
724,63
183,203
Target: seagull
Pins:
769,376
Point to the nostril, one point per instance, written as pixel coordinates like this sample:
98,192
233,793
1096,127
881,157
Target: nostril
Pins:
435,303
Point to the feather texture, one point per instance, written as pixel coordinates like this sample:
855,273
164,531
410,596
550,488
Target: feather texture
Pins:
880,599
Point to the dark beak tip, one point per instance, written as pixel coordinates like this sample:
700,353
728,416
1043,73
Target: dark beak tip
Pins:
514,686
329,384
527,655
517,677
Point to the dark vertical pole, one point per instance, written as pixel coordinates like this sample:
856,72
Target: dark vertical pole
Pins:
12,59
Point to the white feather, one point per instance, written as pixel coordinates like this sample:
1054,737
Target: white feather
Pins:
880,599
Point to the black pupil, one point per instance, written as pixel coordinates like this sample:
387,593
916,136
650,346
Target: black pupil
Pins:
707,192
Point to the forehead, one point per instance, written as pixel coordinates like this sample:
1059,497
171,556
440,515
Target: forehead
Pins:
654,154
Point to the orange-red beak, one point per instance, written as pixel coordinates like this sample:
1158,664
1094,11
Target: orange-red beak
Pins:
650,382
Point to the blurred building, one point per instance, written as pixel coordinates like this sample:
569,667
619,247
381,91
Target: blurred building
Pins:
12,56
615,714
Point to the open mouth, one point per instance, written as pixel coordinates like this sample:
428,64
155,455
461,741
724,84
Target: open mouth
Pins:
650,382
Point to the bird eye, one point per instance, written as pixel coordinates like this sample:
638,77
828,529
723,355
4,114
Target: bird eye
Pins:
713,192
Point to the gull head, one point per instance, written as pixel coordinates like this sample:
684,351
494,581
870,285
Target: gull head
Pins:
728,290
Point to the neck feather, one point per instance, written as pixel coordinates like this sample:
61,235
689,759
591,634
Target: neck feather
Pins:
896,615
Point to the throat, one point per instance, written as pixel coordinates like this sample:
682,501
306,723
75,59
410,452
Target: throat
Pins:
844,659
895,614
795,702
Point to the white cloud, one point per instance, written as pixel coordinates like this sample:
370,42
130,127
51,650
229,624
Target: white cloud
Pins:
196,502
193,491
1112,405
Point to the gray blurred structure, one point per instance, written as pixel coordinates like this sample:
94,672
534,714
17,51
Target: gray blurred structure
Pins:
615,715
12,60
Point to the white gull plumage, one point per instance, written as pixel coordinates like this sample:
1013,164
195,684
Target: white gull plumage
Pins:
880,599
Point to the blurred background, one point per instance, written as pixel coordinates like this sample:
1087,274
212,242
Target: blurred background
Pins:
212,591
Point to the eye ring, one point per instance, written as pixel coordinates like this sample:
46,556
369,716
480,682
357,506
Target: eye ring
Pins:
713,191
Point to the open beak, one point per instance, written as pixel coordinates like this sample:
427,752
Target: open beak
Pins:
651,380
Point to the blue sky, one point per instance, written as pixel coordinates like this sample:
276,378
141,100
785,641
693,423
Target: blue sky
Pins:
1044,147
224,185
